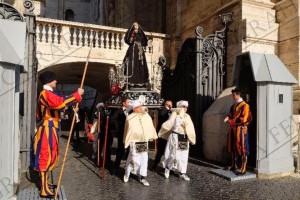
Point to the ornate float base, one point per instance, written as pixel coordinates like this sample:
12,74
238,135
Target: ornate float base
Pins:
150,99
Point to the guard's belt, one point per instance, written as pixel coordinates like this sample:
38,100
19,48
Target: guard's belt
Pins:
51,119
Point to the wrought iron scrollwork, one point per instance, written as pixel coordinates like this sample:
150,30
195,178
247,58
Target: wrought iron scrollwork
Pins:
117,76
212,63
10,13
199,31
28,5
213,48
157,74
162,61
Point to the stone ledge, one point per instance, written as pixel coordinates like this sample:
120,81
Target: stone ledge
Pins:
276,175
232,176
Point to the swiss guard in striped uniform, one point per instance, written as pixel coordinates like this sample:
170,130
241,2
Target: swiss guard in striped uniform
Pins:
237,138
45,142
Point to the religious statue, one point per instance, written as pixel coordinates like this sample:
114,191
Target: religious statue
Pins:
135,59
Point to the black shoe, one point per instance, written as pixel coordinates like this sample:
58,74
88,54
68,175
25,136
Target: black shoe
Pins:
240,173
113,171
230,168
51,187
153,168
51,196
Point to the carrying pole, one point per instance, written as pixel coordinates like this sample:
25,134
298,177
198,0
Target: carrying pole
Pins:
104,148
98,138
72,126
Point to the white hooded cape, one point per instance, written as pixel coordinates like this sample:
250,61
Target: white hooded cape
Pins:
187,127
139,128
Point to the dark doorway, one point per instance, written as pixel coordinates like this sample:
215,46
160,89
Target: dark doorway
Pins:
69,16
245,81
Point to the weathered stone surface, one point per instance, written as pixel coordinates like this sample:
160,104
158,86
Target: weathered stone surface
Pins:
215,130
81,181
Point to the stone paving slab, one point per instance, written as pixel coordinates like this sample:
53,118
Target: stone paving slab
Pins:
81,181
232,175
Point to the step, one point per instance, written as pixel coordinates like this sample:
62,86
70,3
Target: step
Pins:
34,194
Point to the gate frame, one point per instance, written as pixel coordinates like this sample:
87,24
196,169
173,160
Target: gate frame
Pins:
210,67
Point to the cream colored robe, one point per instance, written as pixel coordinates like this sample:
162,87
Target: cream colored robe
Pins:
187,126
139,128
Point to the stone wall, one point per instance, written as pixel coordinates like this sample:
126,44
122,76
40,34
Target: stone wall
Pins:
149,14
287,15
288,48
262,26
254,27
173,29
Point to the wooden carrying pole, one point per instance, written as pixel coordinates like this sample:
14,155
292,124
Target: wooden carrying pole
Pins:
155,126
104,148
72,126
98,138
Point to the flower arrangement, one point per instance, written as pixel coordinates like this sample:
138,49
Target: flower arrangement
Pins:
115,89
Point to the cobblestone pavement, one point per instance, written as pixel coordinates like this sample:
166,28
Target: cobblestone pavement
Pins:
81,181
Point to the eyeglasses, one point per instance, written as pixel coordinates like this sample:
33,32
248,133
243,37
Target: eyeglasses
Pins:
183,107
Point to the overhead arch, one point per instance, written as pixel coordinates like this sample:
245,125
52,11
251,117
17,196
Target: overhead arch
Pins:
69,15
71,73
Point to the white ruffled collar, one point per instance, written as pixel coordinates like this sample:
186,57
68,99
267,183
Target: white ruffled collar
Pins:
47,87
239,100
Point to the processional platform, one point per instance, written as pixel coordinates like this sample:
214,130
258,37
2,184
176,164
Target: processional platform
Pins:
147,93
149,99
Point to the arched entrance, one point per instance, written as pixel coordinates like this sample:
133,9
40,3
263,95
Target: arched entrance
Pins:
71,73
248,85
96,85
69,16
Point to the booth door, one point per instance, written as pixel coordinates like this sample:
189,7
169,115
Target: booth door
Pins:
245,81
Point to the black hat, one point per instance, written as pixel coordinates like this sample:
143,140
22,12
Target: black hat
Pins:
47,77
237,91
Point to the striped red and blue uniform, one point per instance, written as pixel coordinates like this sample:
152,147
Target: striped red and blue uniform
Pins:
45,142
237,137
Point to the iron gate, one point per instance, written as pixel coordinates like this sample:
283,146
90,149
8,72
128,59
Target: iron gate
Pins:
199,77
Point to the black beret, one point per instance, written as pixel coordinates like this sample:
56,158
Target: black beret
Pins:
236,90
47,77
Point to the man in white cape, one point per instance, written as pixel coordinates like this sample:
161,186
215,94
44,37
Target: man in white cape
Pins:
179,132
138,131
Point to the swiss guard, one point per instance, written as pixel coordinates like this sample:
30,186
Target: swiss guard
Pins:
179,132
237,139
45,142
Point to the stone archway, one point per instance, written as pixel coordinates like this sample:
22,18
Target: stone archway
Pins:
71,73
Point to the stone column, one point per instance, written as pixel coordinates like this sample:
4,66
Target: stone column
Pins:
29,82
174,30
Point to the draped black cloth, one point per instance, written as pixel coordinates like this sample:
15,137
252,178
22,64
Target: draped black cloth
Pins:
135,57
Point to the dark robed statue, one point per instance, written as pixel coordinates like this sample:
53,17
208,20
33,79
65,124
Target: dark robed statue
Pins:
135,57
